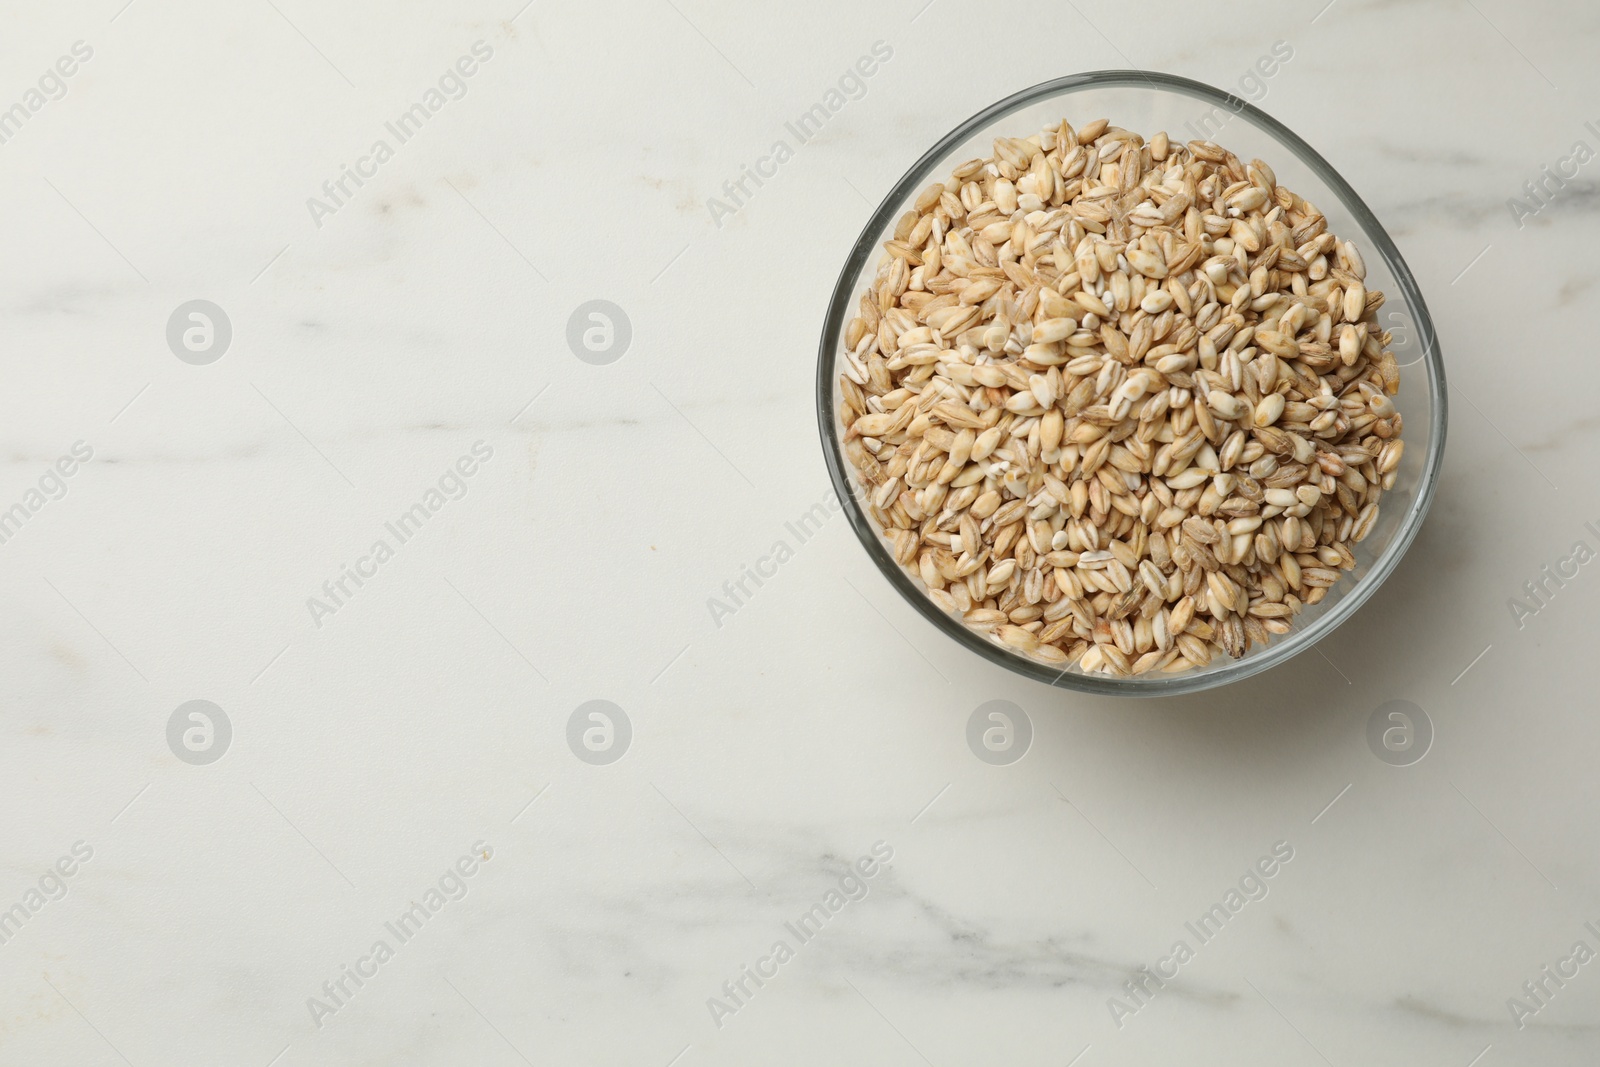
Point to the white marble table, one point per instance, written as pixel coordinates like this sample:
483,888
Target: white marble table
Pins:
403,342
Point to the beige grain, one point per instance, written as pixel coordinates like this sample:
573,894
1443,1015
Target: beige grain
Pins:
1123,407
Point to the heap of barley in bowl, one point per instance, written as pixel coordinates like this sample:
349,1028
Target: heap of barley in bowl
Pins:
1117,404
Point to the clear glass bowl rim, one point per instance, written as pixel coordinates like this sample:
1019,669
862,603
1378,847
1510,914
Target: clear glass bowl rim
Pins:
1278,651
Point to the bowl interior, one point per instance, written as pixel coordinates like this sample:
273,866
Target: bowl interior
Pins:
1186,110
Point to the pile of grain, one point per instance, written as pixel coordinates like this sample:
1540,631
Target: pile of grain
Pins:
1120,404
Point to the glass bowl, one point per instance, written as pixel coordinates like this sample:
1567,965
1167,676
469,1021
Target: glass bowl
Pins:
1187,110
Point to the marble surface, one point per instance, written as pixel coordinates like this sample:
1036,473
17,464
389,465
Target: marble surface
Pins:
773,757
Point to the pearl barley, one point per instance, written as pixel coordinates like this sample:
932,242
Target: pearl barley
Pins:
1117,404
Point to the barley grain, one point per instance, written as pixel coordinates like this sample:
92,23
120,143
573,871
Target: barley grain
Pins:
1119,405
